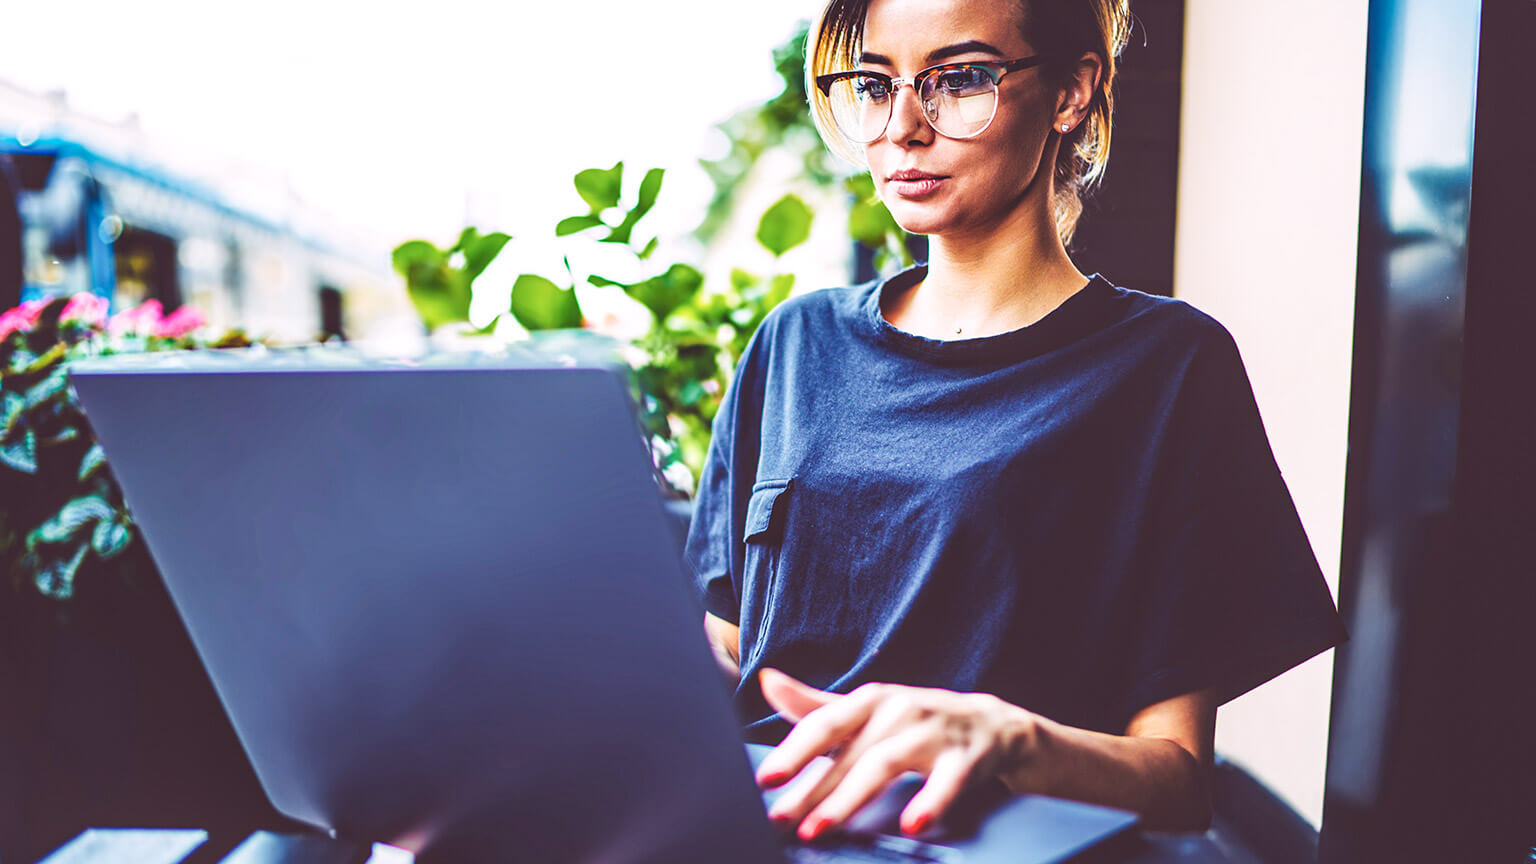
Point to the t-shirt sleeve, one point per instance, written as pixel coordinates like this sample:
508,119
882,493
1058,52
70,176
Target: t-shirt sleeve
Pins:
713,549
709,534
1231,592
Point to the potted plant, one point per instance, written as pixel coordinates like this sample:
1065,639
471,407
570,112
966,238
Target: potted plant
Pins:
106,715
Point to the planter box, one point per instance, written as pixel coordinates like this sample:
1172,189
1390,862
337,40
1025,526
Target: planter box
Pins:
108,719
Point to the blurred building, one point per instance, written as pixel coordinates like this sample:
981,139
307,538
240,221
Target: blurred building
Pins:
100,207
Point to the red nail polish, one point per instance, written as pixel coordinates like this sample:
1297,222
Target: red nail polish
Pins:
812,829
920,824
771,779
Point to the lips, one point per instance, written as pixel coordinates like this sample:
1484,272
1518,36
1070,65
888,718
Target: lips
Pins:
911,183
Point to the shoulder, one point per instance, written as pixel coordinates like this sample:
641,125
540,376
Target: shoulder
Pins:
1169,315
821,306
1168,326
822,315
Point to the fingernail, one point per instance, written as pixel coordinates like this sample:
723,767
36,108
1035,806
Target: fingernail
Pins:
920,824
812,828
771,777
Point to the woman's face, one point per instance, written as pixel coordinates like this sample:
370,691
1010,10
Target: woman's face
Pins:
969,185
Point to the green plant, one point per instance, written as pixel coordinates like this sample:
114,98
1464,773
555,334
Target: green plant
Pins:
695,335
784,123
440,282
61,504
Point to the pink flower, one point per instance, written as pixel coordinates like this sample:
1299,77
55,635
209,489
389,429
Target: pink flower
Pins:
23,317
143,319
179,323
88,309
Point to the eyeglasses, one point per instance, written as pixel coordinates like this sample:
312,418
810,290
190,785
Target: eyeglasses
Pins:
959,100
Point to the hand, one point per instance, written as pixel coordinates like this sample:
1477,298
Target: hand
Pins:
875,734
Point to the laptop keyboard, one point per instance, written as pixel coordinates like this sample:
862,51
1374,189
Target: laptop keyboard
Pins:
877,850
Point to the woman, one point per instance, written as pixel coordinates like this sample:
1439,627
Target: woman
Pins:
996,520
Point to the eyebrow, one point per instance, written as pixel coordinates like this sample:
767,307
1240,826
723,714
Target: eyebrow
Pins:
970,46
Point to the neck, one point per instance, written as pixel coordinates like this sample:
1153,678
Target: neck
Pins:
993,281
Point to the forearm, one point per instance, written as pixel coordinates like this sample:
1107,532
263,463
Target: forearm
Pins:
724,640
1154,777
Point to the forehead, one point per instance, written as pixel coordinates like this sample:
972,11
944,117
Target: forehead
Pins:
905,30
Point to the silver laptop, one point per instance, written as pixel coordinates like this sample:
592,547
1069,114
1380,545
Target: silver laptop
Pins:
445,610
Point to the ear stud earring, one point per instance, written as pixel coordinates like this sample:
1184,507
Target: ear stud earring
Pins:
1065,127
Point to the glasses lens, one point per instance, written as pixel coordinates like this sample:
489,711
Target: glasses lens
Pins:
959,100
861,105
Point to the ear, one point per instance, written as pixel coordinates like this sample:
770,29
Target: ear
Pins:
1077,96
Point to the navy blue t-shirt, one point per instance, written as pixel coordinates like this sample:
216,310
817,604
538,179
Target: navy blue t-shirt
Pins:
1082,516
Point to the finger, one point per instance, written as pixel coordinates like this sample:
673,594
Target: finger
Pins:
805,779
791,698
817,733
951,770
875,769
881,725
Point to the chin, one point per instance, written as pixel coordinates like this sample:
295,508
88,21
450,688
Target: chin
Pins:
919,219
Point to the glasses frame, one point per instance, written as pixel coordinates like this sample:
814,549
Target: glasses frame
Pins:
995,70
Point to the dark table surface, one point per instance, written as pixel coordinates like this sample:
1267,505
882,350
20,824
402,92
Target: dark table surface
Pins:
166,846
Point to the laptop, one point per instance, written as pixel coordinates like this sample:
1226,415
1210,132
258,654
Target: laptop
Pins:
445,610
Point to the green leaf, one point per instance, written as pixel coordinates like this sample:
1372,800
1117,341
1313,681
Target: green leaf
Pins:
481,251
650,187
22,358
11,409
691,393
576,224
599,187
604,281
68,433
663,294
625,229
698,360
779,290
56,579
414,253
869,222
70,519
741,280
21,454
785,225
650,247
48,388
46,359
466,237
539,304
440,292
91,463
110,537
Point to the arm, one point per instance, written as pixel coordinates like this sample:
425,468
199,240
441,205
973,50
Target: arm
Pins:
725,638
1158,768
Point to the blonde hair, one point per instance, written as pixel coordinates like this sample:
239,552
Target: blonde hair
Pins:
1064,29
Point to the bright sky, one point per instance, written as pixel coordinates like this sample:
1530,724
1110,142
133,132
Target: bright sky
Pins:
407,119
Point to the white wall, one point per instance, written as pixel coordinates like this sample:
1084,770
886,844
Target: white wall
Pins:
1269,178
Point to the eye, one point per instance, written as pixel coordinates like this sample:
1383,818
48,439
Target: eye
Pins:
960,80
870,87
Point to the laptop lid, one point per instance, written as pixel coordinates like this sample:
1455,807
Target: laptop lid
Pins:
443,610
442,607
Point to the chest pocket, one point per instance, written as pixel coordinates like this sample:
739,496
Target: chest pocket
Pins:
764,535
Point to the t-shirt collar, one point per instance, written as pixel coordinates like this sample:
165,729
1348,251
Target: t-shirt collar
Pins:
1077,316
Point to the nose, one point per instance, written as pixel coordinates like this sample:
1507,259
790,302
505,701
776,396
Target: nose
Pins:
908,126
